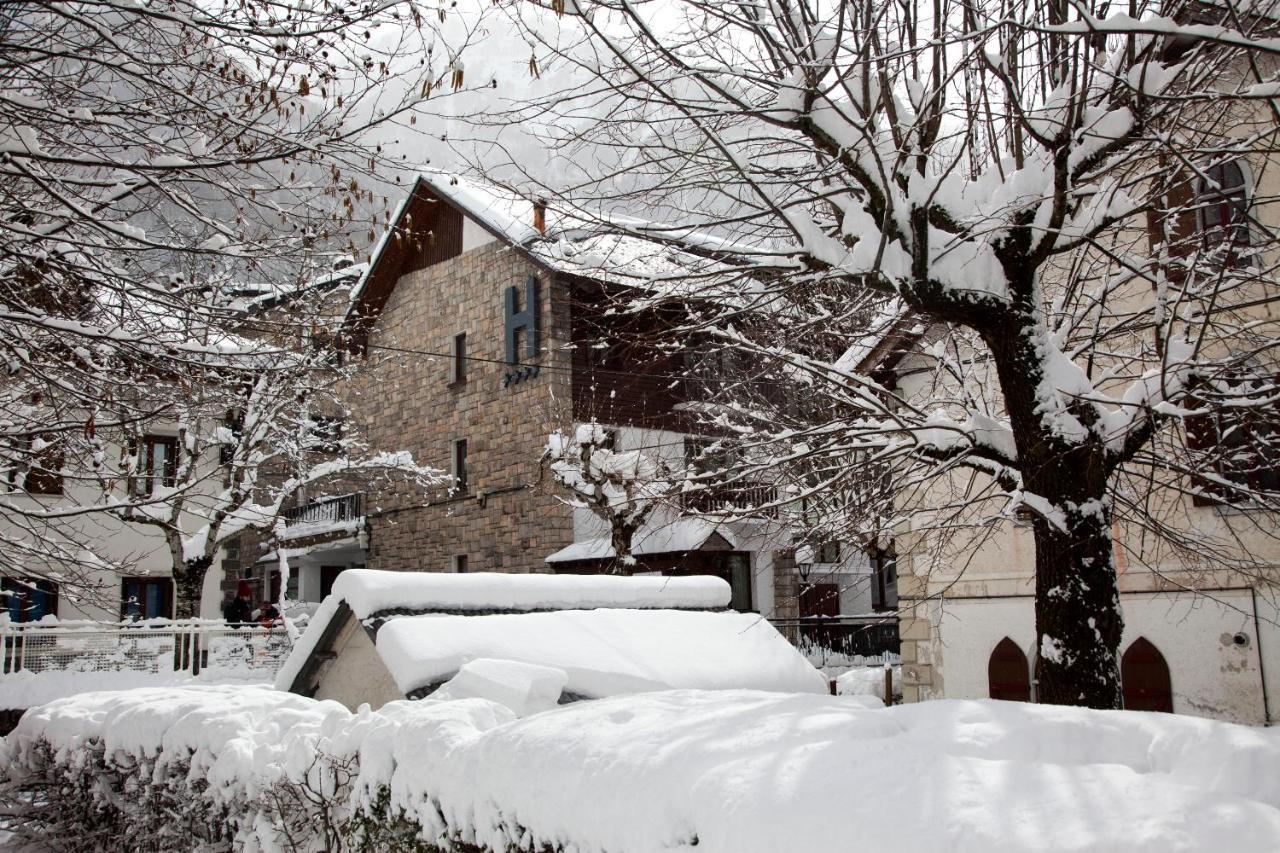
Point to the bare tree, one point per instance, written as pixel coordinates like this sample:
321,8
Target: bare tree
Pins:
155,156
1068,201
622,488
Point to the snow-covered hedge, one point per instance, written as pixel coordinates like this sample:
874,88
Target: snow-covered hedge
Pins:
739,771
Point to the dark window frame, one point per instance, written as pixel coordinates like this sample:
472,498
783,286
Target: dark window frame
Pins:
1222,201
459,360
22,586
458,453
143,582
325,433
147,474
1244,450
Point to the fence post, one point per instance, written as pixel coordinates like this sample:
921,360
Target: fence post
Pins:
888,684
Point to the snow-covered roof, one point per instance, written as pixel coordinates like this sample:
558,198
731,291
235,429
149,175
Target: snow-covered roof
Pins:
367,593
892,321
685,534
604,652
574,245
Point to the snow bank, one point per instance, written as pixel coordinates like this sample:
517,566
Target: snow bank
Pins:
735,771
524,688
23,689
867,681
604,652
367,591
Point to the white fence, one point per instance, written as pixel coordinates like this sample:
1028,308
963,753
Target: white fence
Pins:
156,646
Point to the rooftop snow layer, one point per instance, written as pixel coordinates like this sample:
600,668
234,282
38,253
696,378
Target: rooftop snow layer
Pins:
685,534
367,591
604,652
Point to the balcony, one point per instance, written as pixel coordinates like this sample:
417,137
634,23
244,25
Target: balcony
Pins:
850,636
739,498
342,512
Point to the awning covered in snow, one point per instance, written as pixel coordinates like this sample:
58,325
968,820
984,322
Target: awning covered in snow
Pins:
686,534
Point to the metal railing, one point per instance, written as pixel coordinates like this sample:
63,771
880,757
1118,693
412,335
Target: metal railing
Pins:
335,510
734,498
155,646
850,636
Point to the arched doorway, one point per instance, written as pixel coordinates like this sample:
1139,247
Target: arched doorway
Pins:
1144,676
1008,676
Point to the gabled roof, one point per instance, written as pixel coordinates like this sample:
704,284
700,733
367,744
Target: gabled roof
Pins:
422,232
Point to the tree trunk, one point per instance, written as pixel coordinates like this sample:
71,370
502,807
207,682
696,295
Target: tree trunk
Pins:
1078,619
190,586
620,535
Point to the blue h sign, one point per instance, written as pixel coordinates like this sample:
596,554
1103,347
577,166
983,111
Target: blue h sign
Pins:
526,321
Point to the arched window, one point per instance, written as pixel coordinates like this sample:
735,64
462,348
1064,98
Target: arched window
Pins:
1145,678
1222,206
1008,675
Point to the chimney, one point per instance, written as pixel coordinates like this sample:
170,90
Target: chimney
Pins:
540,215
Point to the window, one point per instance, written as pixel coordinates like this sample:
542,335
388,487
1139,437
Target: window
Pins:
328,574
819,599
460,564
1008,674
325,434
146,598
829,552
233,426
38,466
28,599
884,581
1240,445
1222,207
708,456
460,357
460,465
159,462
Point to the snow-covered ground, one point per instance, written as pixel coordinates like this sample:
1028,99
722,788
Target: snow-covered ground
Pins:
30,689
739,771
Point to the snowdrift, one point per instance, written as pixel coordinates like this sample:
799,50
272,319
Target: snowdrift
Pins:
740,771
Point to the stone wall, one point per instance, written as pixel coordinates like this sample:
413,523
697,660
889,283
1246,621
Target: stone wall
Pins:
508,519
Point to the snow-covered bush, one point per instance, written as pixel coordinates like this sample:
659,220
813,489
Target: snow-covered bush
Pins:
740,771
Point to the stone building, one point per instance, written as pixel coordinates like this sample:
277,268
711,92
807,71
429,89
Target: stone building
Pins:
481,324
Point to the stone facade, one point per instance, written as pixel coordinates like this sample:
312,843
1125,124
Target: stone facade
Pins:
506,519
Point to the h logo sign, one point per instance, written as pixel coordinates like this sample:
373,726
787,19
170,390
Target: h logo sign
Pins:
526,321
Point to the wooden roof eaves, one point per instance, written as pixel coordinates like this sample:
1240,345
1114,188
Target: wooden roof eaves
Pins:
303,683
893,345
355,314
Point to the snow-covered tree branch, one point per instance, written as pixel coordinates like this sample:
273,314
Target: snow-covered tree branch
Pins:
1062,212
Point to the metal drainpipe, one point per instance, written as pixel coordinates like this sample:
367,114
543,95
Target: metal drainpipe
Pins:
1262,672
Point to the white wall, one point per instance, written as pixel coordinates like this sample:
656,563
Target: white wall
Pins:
1211,676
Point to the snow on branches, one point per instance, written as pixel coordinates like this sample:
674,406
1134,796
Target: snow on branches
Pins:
622,488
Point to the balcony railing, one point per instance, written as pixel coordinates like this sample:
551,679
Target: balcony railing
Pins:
156,647
333,511
860,636
737,498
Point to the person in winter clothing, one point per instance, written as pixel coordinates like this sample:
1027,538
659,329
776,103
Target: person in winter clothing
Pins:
268,615
239,610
